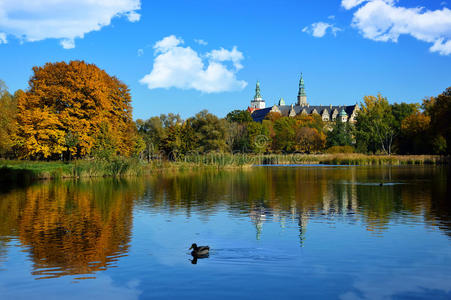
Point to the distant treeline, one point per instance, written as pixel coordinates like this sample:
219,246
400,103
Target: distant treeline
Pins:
76,110
380,128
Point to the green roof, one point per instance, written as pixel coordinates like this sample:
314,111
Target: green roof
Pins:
301,87
257,91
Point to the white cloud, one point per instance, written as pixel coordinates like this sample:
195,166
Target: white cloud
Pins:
389,282
442,47
62,19
67,43
133,16
183,68
222,55
3,39
167,44
348,4
382,20
140,52
201,42
319,29
103,287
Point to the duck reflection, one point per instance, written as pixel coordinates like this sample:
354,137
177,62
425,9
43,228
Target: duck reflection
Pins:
195,258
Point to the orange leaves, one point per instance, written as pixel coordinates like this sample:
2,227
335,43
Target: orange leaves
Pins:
309,140
65,107
415,124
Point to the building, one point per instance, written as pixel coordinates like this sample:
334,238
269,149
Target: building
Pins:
257,102
258,109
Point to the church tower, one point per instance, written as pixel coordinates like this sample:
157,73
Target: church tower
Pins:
258,102
302,96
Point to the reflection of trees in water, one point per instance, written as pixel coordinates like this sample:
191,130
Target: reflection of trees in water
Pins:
70,228
439,210
351,194
81,228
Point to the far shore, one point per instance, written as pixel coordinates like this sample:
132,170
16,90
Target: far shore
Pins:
23,170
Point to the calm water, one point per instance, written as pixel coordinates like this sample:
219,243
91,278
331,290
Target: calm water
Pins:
275,232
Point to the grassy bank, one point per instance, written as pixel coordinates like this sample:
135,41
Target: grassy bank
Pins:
74,169
365,160
225,160
27,170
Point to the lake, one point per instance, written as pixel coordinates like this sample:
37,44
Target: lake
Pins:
274,232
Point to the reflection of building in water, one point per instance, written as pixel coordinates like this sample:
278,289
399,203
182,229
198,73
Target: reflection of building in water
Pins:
335,200
68,230
258,217
339,199
302,222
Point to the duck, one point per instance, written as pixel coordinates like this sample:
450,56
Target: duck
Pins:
199,251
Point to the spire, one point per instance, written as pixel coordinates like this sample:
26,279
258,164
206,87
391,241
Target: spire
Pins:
302,96
257,91
258,102
301,87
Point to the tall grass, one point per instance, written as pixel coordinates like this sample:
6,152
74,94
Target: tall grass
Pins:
118,166
364,160
76,169
239,160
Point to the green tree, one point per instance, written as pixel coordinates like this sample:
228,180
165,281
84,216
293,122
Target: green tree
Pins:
237,137
439,110
239,116
285,134
105,145
401,111
258,137
210,132
172,143
152,133
375,127
340,135
168,137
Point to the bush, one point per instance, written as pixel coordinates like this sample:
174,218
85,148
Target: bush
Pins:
341,149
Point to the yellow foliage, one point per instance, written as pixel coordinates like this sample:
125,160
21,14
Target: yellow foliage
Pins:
8,125
416,123
65,107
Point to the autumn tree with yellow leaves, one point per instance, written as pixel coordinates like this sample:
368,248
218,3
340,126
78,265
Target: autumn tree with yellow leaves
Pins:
72,110
8,125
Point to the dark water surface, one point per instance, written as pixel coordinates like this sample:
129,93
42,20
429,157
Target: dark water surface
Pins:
275,233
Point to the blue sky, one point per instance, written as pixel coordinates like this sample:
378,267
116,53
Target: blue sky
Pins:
346,49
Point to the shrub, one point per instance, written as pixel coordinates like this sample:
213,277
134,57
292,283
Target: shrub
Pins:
341,149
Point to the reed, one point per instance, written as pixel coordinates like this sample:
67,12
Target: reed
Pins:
115,167
119,166
364,160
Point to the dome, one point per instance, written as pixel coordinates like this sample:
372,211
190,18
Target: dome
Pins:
281,102
343,113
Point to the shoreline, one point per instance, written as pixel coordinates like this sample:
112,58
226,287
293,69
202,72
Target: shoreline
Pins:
18,170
